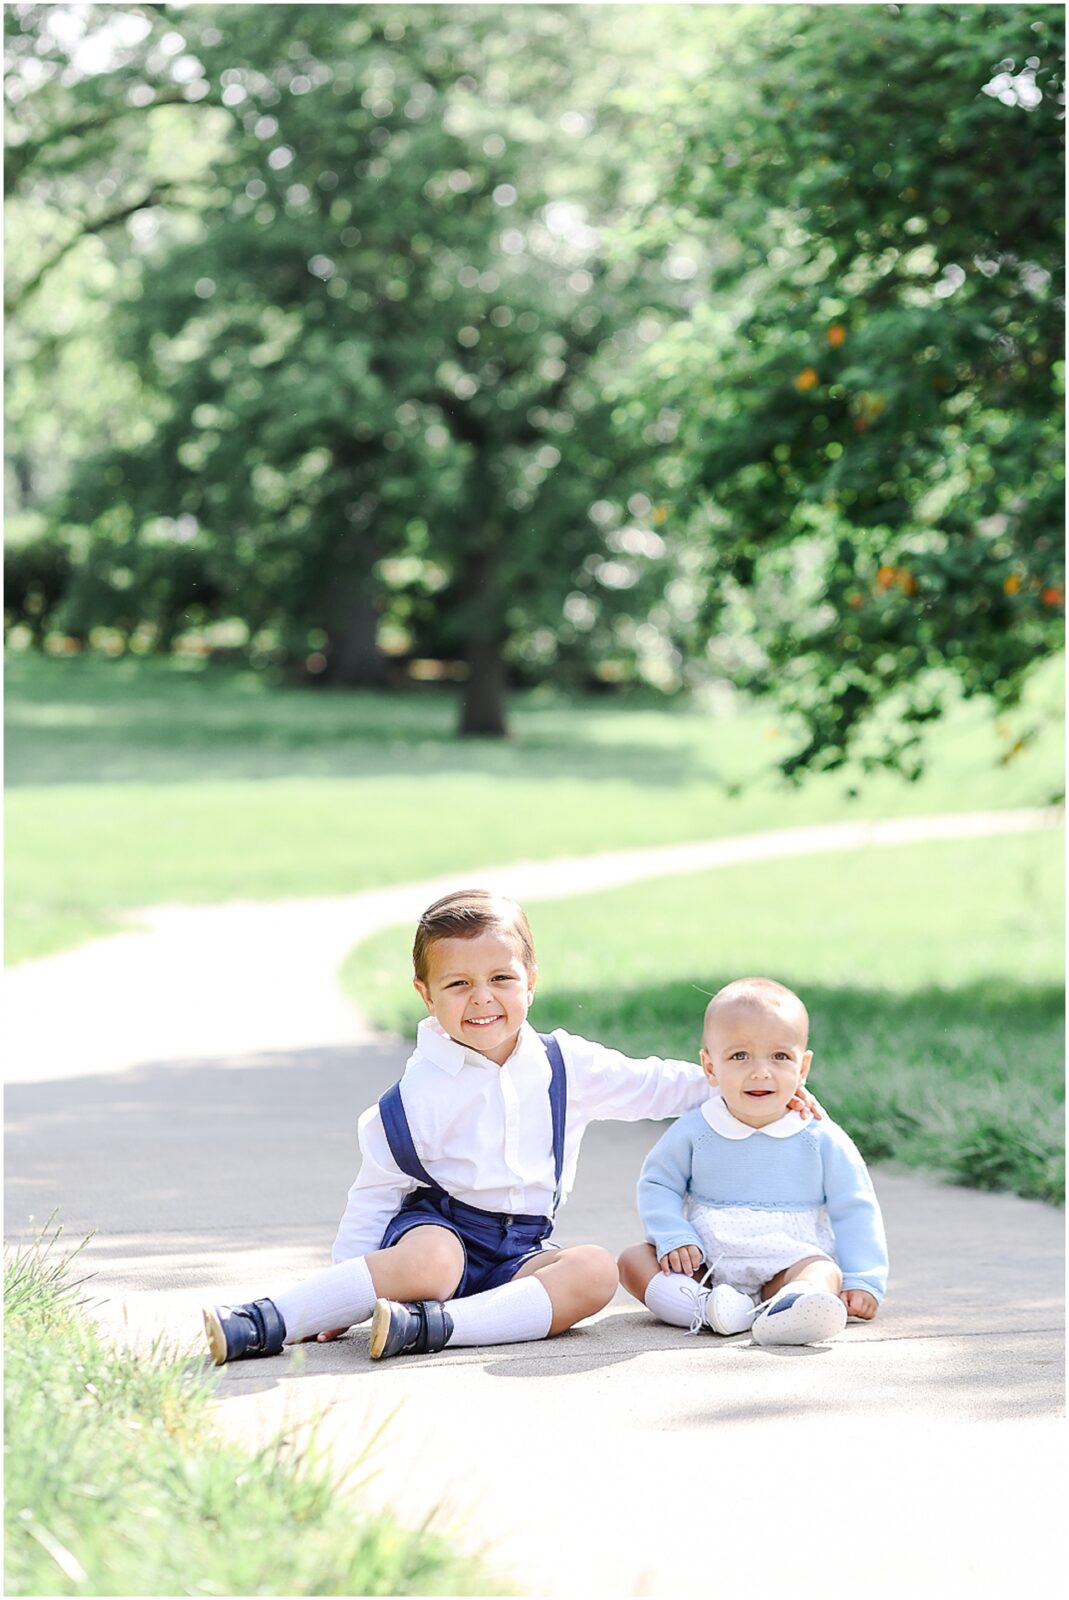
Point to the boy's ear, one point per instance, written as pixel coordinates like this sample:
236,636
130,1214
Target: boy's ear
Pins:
424,993
807,1062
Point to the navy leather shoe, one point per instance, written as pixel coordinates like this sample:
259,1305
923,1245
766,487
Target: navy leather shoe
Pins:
237,1333
410,1329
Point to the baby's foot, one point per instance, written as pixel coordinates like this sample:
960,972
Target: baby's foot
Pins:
726,1310
799,1314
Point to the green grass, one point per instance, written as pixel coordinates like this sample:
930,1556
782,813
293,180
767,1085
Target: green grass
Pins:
115,1483
134,782
933,975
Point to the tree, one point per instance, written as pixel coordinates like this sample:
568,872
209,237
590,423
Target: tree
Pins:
376,345
866,410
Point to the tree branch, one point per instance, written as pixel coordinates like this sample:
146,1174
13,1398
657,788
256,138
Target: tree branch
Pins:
15,297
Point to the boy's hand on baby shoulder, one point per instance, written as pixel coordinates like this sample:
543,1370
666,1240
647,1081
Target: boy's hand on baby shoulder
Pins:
805,1104
687,1259
320,1338
859,1303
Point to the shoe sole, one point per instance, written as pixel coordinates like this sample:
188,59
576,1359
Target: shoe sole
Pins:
808,1321
213,1328
380,1329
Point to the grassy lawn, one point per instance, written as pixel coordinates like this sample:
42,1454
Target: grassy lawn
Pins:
933,975
134,782
115,1483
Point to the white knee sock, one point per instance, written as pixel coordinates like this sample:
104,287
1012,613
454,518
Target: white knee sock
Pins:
508,1315
337,1297
673,1297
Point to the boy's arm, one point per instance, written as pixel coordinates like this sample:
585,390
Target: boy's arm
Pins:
607,1085
662,1189
376,1195
854,1214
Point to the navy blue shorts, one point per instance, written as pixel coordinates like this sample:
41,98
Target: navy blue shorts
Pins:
495,1246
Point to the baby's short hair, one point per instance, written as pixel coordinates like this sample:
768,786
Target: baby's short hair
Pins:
464,915
763,992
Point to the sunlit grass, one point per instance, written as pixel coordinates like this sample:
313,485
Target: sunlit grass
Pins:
115,1482
933,976
137,782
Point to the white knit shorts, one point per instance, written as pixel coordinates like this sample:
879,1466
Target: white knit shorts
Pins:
746,1247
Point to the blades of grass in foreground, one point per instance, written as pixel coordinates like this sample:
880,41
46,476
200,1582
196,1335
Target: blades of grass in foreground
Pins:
118,1484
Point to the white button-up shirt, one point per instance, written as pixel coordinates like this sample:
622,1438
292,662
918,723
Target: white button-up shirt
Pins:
484,1133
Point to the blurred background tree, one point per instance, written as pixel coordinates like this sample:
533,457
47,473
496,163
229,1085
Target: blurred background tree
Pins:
553,342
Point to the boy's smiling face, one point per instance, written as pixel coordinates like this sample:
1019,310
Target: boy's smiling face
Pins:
755,1053
479,990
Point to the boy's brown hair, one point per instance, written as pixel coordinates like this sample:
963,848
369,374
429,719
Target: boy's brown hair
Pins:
466,914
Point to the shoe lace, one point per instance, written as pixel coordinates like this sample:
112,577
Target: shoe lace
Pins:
705,1288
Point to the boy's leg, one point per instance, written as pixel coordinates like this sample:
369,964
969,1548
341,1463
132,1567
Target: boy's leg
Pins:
426,1263
579,1281
549,1293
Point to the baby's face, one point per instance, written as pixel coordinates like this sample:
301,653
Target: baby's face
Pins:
756,1055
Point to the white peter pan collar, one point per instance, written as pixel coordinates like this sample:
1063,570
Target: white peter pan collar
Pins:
721,1121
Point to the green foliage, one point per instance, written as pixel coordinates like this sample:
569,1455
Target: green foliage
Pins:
116,1483
551,339
387,303
866,411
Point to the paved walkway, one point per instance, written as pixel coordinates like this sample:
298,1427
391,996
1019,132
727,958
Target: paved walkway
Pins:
920,1454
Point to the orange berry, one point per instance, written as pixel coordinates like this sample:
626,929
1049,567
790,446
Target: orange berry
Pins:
808,378
885,577
1054,595
1012,584
660,514
836,335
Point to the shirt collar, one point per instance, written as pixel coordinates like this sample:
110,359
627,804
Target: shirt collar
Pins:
721,1121
434,1043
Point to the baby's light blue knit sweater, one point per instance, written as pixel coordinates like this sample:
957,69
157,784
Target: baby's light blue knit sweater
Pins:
818,1166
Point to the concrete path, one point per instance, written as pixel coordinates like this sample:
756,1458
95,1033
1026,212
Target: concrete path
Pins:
921,1454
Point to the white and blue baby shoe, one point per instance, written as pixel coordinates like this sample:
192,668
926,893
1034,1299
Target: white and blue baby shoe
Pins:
798,1314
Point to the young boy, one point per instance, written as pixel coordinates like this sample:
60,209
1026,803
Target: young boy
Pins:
445,1236
781,1212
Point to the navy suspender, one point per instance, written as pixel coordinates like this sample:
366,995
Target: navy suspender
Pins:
558,1096
399,1136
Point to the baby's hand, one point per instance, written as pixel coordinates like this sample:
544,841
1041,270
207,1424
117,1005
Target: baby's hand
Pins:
859,1303
687,1259
319,1338
804,1103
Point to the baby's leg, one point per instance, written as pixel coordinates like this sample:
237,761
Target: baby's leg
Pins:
638,1266
811,1269
801,1304
683,1301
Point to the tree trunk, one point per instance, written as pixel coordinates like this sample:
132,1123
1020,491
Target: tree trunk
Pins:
353,657
482,711
483,708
